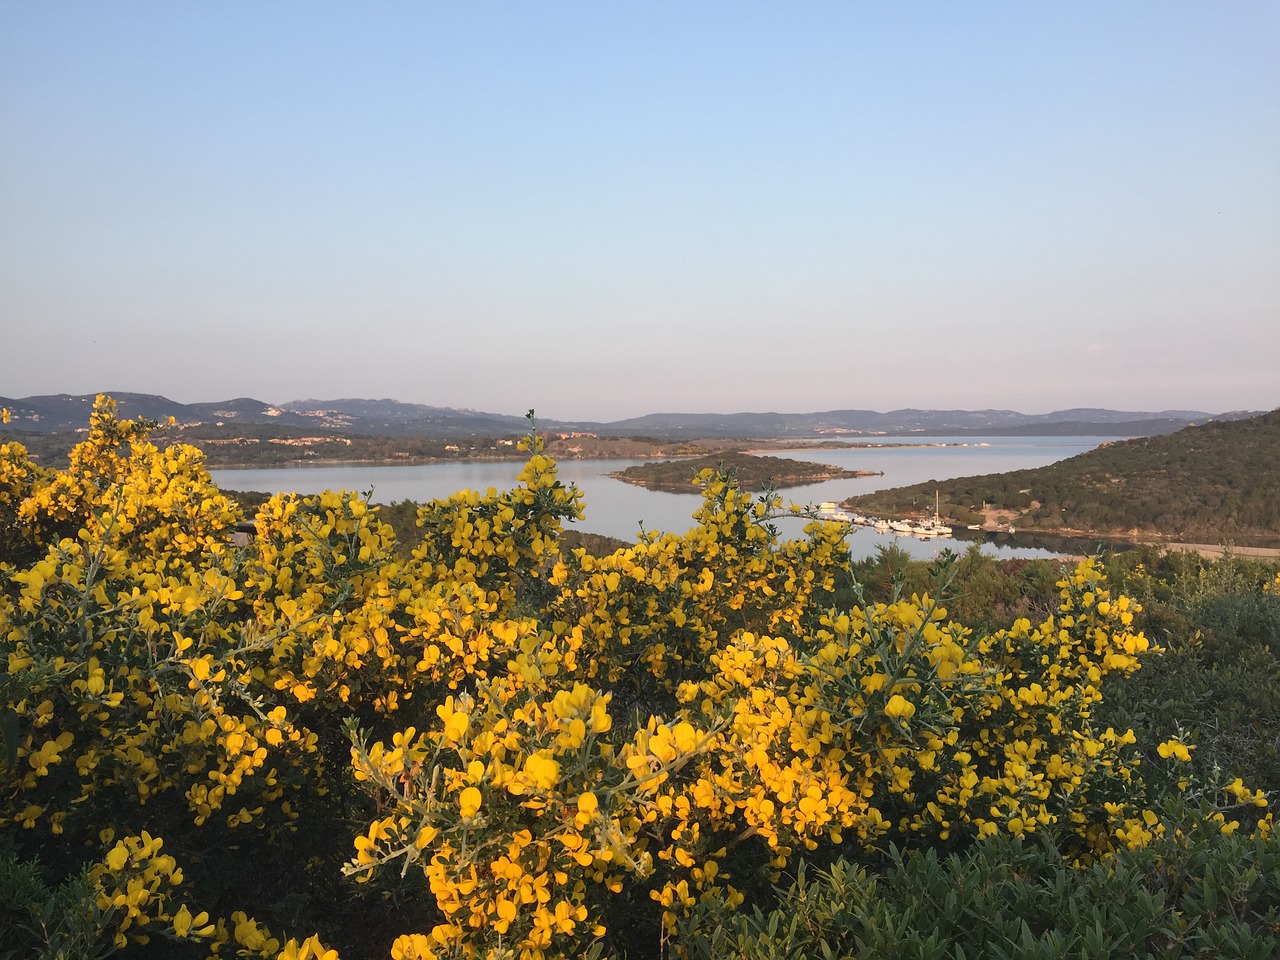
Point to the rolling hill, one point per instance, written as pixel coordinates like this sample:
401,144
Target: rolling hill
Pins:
1215,483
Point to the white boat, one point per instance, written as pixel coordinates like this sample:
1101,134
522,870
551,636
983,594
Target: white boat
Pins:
828,510
935,526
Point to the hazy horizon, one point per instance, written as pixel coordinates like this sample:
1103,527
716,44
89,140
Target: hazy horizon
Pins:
668,412
607,211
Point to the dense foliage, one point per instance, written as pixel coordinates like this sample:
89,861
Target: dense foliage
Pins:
1218,679
1186,895
488,746
1216,483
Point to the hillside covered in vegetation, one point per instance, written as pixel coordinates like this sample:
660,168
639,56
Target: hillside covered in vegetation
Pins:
1216,483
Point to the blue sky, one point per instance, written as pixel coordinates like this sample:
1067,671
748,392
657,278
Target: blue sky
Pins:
607,209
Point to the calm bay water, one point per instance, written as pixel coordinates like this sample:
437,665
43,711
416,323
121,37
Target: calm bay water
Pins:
618,509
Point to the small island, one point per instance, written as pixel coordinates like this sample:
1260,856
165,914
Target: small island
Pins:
753,472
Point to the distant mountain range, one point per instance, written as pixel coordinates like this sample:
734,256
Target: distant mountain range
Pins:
390,418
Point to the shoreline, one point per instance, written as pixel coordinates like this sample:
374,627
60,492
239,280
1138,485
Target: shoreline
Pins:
1029,537
396,462
1215,550
783,485
600,453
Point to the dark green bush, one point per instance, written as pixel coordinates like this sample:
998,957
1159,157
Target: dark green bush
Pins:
1196,895
1218,680
43,922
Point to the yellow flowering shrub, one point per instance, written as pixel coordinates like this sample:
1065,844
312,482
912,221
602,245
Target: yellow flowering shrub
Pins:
18,479
766,724
159,679
535,748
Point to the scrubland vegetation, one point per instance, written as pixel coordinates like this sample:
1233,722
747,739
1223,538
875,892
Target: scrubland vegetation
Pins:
328,742
751,471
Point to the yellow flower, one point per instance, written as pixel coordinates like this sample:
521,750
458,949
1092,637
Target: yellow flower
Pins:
118,856
469,802
900,707
455,721
183,922
1175,749
542,770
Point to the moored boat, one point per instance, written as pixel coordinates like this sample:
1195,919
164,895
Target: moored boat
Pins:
935,525
828,510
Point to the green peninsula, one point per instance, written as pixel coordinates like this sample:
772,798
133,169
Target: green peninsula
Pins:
753,472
